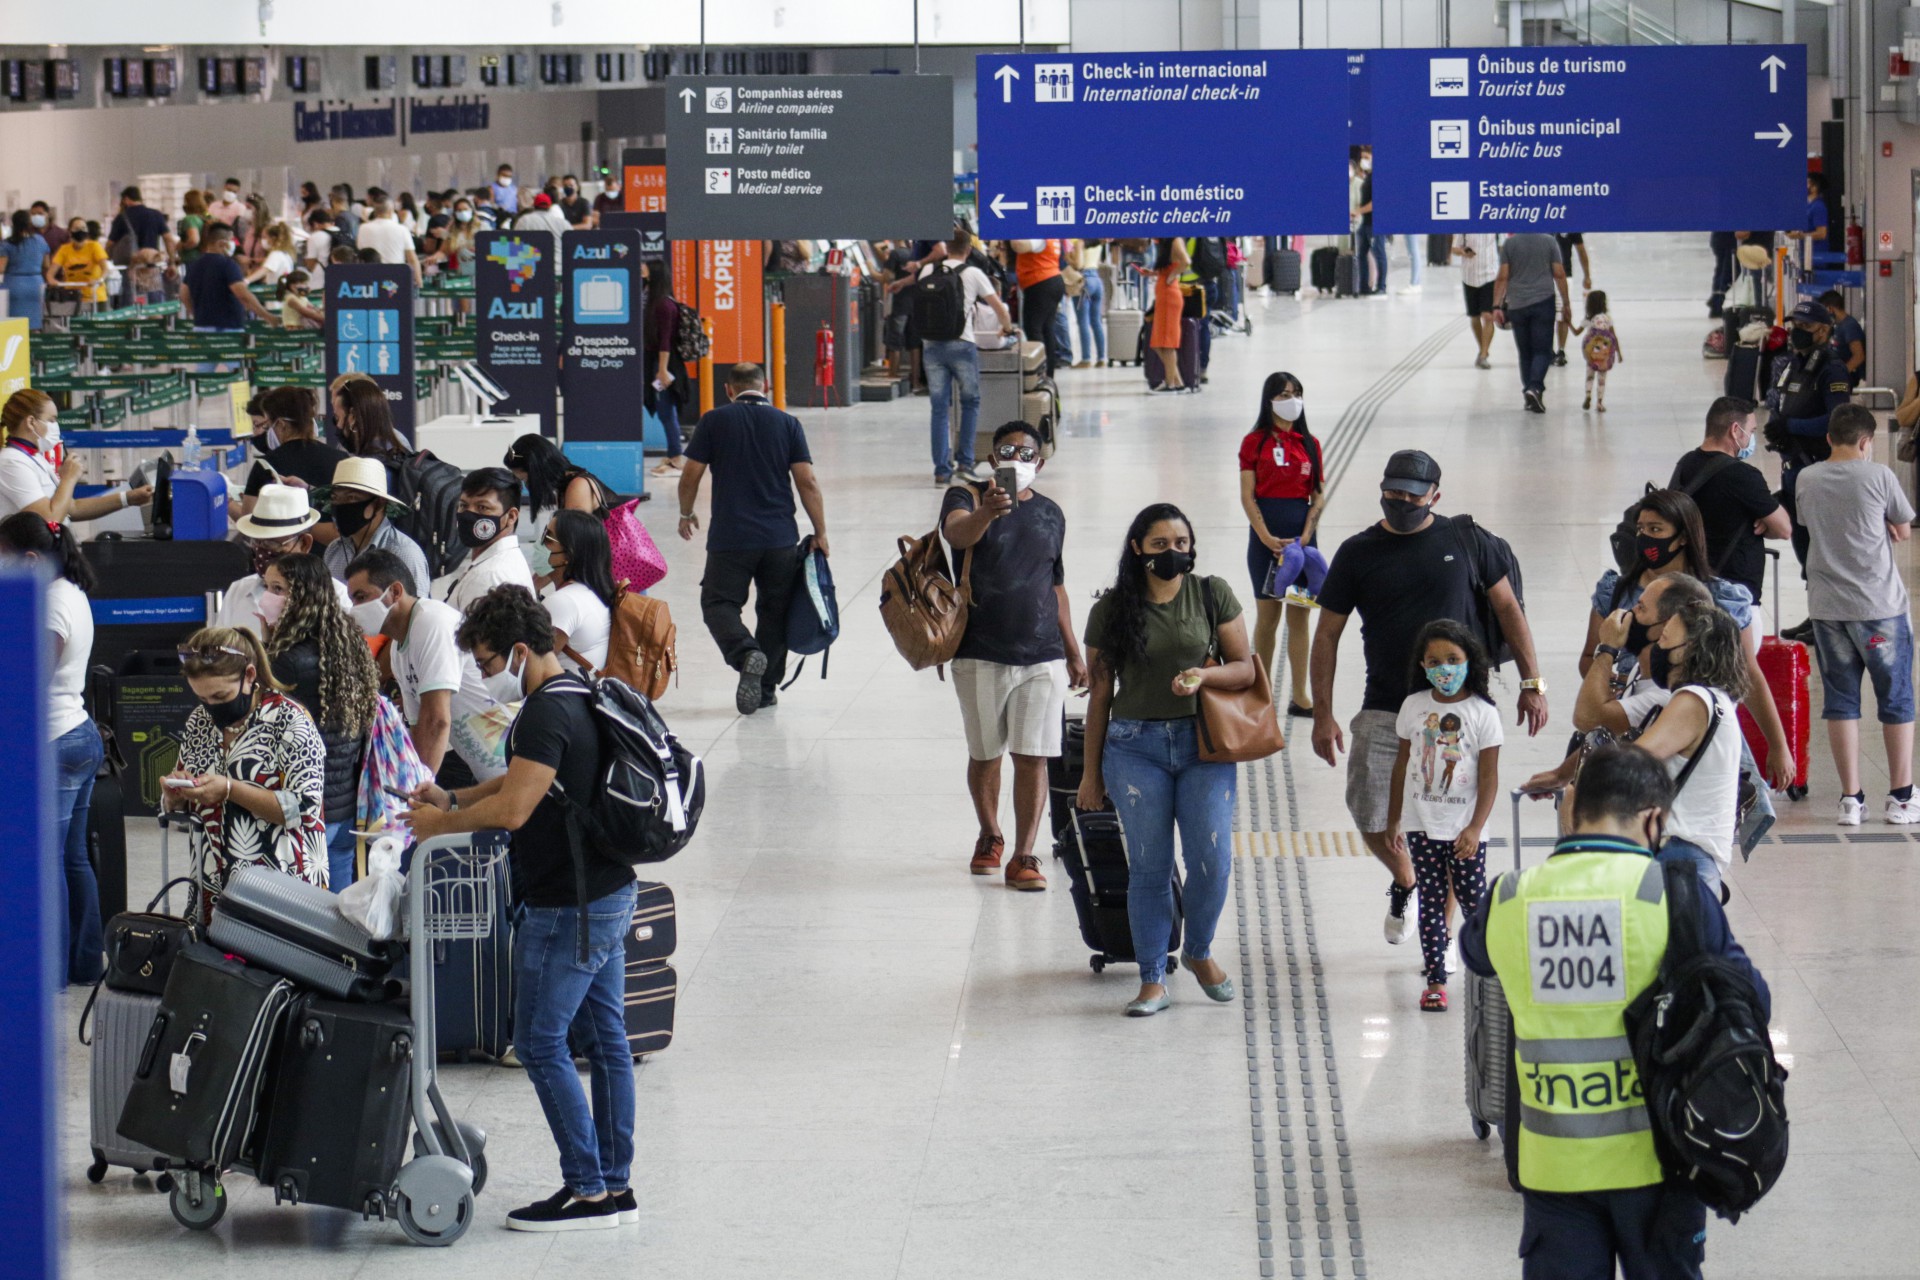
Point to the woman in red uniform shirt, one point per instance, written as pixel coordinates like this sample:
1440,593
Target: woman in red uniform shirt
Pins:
1282,489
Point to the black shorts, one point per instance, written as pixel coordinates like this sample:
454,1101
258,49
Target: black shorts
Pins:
1479,298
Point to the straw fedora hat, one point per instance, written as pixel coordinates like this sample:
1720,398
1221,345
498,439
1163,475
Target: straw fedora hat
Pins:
1753,256
364,475
280,512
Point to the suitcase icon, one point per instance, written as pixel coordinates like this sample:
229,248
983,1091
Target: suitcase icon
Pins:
600,297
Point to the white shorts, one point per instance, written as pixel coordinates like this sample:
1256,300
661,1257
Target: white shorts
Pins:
1015,709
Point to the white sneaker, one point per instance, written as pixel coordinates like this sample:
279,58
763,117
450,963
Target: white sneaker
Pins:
1412,288
1851,811
1902,812
1399,924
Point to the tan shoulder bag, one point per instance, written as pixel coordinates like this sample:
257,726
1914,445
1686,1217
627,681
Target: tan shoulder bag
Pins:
922,607
1235,724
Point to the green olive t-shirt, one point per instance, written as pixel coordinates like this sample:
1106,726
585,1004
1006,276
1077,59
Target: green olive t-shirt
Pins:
1177,639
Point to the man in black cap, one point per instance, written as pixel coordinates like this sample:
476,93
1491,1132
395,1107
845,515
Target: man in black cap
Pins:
1808,383
1412,567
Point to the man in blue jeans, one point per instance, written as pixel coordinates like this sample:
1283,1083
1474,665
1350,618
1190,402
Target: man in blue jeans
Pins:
554,744
1530,273
953,359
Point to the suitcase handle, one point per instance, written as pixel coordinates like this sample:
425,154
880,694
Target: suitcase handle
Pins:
151,1050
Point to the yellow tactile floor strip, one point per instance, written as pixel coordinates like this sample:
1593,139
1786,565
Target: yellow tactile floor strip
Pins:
1299,844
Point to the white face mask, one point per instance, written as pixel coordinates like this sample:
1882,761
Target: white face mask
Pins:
228,197
505,685
371,615
1023,474
1289,409
50,435
463,215
38,219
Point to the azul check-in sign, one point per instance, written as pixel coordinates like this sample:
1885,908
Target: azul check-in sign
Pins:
1147,144
1671,138
518,338
370,331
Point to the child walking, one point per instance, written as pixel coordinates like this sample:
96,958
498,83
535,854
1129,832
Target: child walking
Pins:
1601,347
1437,820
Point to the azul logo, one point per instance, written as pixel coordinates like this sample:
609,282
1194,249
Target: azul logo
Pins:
390,287
593,253
501,309
368,290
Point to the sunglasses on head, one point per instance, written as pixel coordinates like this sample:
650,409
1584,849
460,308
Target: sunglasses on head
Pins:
1016,452
211,654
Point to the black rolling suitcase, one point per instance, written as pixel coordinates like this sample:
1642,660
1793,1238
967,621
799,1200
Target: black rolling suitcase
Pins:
197,1081
1063,775
107,844
652,985
1283,271
473,983
1095,854
1439,250
338,1105
1322,267
1346,276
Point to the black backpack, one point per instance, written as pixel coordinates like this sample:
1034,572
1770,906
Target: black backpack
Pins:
937,302
1485,621
690,341
429,490
1209,257
1715,1092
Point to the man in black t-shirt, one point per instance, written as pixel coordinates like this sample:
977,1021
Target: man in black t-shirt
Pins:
1019,654
1736,507
554,748
1400,574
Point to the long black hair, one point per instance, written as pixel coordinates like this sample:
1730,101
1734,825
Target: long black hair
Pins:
1163,252
1129,590
546,469
583,540
22,227
1274,388
24,531
1478,668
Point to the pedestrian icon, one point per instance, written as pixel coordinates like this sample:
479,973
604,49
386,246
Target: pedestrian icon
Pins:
719,142
1053,206
1449,139
353,357
1451,201
1447,77
720,101
719,182
1053,82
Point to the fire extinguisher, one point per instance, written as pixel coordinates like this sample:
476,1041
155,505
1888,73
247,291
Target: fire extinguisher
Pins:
823,360
1856,243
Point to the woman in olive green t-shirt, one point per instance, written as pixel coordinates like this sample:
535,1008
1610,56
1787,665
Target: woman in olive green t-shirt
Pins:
1150,636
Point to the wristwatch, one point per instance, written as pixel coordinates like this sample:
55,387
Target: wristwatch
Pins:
1538,684
1611,650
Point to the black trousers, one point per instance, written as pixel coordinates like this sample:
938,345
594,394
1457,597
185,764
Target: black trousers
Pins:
723,598
1653,1233
1038,306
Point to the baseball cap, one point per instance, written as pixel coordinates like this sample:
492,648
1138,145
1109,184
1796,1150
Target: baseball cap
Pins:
1811,312
543,201
1411,471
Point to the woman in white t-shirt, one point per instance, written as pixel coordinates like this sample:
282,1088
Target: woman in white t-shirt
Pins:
35,477
77,750
278,258
581,595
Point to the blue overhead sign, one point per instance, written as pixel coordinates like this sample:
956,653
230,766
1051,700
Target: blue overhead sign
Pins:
1673,138
1146,144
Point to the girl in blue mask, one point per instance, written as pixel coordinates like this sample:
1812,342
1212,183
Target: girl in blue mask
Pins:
1443,797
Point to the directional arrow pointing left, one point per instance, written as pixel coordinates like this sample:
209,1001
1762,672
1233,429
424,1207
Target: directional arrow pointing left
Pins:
1773,66
1783,133
1000,204
686,97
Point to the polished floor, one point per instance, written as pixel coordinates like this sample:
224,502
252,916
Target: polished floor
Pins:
884,1067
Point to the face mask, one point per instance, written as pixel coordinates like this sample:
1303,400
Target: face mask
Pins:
1746,450
463,215
50,435
38,219
477,530
571,192
1289,409
264,556
229,197
352,518
1023,474
1801,339
505,686
1660,665
1653,552
270,608
78,235
1366,164
1403,514
227,714
1636,636
1448,677
1168,565
371,616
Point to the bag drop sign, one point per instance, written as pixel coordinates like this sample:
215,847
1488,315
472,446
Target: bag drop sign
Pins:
1576,952
604,376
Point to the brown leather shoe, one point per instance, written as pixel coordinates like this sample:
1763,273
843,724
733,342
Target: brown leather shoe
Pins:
1024,873
986,855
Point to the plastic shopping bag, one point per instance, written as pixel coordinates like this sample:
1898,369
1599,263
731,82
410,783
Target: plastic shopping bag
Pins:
373,901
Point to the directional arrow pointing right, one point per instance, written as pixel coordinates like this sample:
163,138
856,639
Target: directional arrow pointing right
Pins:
1784,134
1773,66
1006,76
1000,204
686,97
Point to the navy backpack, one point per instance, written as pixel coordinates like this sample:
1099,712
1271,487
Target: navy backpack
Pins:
813,616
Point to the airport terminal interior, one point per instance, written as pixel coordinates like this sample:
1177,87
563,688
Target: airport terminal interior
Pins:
882,1067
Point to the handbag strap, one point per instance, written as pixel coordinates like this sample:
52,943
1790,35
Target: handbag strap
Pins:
1713,723
1213,623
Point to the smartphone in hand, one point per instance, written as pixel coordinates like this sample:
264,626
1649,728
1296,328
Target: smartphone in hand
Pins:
398,794
1008,480
176,783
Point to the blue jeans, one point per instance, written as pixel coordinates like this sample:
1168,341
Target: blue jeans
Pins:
1533,339
340,851
667,408
948,363
1090,310
1881,650
1417,255
1367,246
1154,773
553,990
76,757
1681,850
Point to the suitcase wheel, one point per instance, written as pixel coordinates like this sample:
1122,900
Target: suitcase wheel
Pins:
98,1169
1097,963
164,1182
200,1215
1481,1129
1796,793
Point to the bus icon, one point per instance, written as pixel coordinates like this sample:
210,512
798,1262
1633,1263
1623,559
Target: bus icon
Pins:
1447,77
1449,139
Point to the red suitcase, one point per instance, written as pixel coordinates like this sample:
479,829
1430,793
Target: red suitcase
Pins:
1786,666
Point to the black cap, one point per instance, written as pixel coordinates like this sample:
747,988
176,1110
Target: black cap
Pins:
1811,312
1411,471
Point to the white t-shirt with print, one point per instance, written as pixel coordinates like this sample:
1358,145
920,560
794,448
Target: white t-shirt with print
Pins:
1443,760
586,620
426,659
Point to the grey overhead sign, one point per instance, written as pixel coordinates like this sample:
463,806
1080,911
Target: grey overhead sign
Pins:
809,157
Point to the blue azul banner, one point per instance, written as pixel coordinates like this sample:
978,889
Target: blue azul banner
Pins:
146,611
369,330
517,342
606,371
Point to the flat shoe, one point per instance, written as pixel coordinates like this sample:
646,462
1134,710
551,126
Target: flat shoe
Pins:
1295,709
1148,1007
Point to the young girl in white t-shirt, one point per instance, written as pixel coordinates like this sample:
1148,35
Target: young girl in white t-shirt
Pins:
1445,780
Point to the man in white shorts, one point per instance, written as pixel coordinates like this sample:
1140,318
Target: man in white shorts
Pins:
1020,654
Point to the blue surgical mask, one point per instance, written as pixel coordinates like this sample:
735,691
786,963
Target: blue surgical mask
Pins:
1448,677
1746,450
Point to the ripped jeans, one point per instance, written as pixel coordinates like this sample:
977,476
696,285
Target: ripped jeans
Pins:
1157,780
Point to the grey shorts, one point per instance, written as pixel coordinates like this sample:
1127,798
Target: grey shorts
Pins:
1372,746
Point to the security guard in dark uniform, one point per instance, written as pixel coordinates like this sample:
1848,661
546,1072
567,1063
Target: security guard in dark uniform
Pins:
1809,382
1573,941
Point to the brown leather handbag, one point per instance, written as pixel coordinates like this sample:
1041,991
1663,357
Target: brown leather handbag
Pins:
1234,724
922,607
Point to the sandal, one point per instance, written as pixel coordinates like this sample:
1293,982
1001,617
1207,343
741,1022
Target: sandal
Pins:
1433,1002
664,469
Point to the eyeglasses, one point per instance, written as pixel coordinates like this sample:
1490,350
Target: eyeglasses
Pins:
211,654
1012,452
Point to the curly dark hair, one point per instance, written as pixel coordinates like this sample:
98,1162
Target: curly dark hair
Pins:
1455,633
504,617
349,681
1129,590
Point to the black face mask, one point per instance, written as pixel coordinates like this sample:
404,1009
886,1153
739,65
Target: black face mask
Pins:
351,518
1660,665
1168,565
477,530
227,714
1636,635
1802,339
1403,514
1653,553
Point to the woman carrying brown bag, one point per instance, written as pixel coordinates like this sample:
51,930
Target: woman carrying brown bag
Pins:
1148,640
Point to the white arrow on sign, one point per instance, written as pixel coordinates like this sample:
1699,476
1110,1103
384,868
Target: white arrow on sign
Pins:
686,97
1006,76
1773,66
1000,204
1783,133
